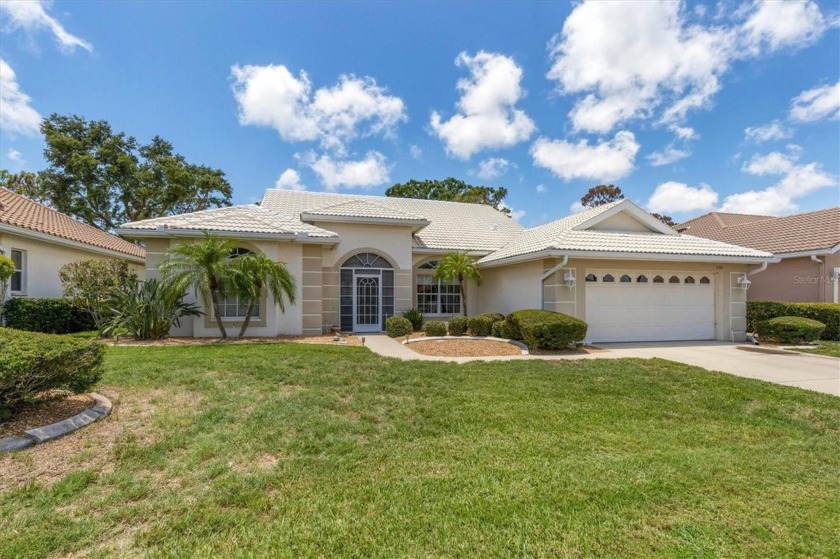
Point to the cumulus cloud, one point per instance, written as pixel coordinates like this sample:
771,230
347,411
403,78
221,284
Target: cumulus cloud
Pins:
272,96
816,104
604,161
416,152
678,197
515,215
773,131
290,180
684,132
542,189
487,116
667,156
31,16
15,155
370,171
16,115
493,167
646,60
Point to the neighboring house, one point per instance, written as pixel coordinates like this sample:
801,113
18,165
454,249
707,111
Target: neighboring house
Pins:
360,259
40,240
807,245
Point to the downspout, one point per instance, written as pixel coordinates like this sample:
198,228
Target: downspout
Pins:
731,331
814,258
547,275
835,276
759,269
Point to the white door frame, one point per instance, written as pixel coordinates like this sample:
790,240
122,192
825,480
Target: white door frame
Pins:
362,273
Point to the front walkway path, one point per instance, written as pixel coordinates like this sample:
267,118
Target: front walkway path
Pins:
813,372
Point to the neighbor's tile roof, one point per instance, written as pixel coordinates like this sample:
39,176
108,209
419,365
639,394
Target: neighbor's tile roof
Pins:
806,232
452,225
22,212
560,235
241,219
364,209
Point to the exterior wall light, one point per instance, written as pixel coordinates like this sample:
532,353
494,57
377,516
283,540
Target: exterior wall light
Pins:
744,282
570,279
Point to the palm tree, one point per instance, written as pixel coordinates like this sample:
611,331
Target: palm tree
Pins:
251,273
203,266
457,265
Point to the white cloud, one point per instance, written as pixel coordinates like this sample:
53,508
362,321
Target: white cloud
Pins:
416,152
493,167
15,155
608,160
816,104
16,115
773,131
515,215
290,180
677,197
645,60
542,189
667,156
775,25
487,115
684,132
356,107
31,16
577,207
369,171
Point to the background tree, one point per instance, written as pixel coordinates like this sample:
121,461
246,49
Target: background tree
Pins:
92,282
600,195
450,190
666,219
23,183
203,267
105,178
458,266
7,269
251,273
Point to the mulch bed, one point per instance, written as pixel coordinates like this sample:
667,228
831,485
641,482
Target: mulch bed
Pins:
174,341
464,348
50,409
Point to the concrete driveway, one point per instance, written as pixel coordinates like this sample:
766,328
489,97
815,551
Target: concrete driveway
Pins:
813,372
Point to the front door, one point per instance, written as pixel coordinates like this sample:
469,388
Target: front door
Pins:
367,305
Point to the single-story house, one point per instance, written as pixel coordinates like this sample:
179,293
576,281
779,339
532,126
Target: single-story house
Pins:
359,259
807,246
40,240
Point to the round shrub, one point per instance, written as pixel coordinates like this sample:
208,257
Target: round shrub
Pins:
481,325
827,313
500,330
545,329
494,315
397,326
416,318
435,328
458,325
790,329
31,363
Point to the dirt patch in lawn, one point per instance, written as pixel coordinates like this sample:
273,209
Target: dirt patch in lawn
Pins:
176,341
50,408
464,348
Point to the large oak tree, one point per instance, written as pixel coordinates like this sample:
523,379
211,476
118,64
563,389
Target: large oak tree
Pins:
450,190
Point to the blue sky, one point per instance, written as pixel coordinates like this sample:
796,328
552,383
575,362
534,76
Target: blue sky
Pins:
688,107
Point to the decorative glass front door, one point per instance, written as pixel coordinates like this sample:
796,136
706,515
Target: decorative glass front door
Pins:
367,304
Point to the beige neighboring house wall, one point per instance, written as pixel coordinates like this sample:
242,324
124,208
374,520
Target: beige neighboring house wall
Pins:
798,280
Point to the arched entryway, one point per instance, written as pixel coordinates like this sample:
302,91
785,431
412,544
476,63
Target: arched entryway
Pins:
367,292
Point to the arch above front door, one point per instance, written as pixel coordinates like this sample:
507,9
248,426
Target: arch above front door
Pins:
367,293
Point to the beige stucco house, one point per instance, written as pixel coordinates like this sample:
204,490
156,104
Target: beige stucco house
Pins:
40,240
360,259
806,245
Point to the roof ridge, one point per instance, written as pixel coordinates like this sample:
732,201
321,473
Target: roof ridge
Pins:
377,197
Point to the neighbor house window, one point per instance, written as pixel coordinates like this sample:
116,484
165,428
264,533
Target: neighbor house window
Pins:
434,296
234,307
17,283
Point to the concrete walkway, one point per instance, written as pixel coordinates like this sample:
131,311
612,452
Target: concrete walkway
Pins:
812,372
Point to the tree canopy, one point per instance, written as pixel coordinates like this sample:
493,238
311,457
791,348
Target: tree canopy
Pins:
451,190
600,195
106,178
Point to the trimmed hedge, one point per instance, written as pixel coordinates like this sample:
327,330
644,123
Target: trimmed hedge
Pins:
49,316
32,362
500,330
435,328
827,313
481,325
458,325
790,329
397,326
545,329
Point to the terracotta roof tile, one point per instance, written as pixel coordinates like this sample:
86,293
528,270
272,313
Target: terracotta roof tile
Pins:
18,211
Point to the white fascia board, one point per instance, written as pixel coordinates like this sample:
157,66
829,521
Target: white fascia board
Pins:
636,256
174,233
635,211
419,223
443,251
806,253
23,232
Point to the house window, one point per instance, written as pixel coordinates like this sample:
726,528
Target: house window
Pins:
658,279
233,307
17,283
591,277
641,279
689,279
674,279
625,279
434,296
704,279
609,278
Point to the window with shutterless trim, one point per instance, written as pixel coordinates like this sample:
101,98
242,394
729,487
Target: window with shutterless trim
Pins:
17,283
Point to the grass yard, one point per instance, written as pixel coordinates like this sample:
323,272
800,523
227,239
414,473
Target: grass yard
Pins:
832,349
288,450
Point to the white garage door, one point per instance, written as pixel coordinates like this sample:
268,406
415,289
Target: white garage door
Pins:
623,306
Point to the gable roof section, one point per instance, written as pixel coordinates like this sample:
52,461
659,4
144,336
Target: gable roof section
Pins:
807,232
571,236
248,219
452,225
23,213
363,211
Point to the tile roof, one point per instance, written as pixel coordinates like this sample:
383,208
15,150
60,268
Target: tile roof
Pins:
19,211
364,209
560,235
241,219
805,232
452,225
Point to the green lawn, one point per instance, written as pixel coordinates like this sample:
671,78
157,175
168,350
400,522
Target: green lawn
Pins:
832,349
293,450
